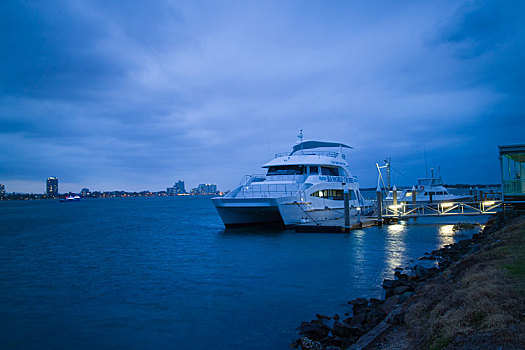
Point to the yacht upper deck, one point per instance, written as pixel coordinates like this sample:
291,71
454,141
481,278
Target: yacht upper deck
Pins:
310,153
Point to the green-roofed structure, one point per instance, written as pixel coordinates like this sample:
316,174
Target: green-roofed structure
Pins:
512,161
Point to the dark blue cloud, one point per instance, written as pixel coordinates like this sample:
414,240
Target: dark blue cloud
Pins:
48,50
132,95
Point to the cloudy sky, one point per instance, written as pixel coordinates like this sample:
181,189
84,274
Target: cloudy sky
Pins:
135,95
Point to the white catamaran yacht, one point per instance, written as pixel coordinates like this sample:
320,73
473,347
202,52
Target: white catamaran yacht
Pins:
304,185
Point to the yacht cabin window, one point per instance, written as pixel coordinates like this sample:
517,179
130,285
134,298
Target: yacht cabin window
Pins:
329,171
337,195
314,169
286,170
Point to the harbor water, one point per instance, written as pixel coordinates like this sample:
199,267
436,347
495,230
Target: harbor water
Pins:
163,273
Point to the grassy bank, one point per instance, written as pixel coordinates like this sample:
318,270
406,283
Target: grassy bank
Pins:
479,301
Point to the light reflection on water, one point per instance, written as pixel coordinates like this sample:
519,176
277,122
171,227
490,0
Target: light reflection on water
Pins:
395,246
446,235
359,251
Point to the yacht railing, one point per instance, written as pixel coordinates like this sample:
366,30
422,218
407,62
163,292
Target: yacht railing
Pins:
268,191
310,153
248,179
294,178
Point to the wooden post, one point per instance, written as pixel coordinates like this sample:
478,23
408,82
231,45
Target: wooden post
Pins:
394,199
414,200
379,206
394,195
347,207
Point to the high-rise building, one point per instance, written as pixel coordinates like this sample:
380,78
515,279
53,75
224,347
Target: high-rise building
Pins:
2,191
178,188
52,187
206,189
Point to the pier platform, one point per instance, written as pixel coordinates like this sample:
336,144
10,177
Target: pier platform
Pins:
335,226
393,213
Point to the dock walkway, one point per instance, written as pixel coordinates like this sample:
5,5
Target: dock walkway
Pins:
403,211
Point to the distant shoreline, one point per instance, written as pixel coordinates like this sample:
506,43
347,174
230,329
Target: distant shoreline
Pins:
39,197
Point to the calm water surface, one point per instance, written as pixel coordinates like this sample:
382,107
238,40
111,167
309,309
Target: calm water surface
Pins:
163,273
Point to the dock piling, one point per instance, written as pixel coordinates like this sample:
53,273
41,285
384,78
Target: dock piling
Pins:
379,206
347,207
394,199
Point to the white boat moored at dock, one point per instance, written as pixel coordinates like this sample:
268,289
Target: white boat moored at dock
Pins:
302,186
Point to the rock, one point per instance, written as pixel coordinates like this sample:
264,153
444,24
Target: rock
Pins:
374,301
390,304
344,330
402,289
398,290
404,297
444,264
331,347
356,321
401,276
422,272
431,257
419,285
322,317
387,284
395,317
314,331
308,344
375,315
358,302
475,248
359,306
334,342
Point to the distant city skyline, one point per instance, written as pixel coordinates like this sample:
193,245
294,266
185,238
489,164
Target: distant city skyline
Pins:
52,189
111,95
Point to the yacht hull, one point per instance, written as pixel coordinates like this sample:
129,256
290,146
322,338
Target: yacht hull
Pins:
295,213
248,212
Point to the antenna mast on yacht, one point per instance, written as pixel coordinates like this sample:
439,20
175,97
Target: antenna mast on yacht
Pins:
380,176
300,137
387,165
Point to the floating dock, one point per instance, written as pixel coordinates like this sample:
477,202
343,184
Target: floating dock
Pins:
336,225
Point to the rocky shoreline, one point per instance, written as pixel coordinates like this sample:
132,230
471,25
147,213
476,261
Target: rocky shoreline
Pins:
371,318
